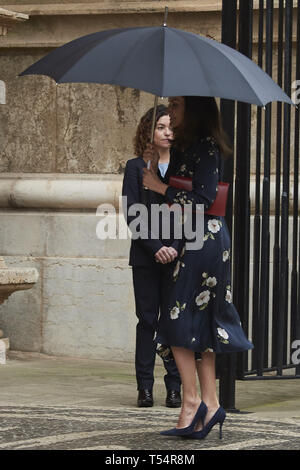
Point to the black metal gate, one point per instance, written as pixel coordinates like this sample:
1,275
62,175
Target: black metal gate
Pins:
263,209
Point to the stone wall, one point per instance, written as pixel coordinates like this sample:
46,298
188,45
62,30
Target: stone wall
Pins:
83,128
73,128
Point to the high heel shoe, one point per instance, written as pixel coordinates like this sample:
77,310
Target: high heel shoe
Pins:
200,414
218,417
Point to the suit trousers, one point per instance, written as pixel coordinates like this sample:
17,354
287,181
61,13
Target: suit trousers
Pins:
151,284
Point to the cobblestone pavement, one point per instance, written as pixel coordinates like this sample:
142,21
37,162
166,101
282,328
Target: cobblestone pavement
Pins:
95,428
58,403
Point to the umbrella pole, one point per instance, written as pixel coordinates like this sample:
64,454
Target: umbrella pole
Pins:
153,126
156,98
154,118
144,194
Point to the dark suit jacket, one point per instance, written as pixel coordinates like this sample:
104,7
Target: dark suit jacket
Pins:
142,251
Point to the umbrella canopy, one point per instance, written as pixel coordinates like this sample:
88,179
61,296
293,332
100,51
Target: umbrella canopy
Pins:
163,61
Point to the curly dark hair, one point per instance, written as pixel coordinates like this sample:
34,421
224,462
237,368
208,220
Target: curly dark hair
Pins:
142,136
202,118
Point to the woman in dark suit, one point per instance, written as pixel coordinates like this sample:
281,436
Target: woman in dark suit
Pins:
150,259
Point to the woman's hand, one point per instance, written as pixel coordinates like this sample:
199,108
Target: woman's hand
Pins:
152,181
166,254
150,178
151,154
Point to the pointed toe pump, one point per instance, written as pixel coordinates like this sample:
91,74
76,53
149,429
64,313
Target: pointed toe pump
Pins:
218,417
200,414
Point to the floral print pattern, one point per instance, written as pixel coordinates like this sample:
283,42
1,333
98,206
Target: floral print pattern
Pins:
178,265
222,335
189,167
228,294
214,226
164,352
209,281
174,313
202,299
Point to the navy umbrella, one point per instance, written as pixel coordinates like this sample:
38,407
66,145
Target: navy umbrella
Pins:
163,61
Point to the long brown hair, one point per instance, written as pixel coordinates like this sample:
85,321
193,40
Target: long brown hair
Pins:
202,118
142,136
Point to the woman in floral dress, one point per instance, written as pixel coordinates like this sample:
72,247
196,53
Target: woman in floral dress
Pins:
199,319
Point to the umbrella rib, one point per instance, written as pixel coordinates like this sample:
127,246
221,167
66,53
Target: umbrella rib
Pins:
94,46
195,53
215,49
208,42
141,41
163,68
242,74
245,78
89,47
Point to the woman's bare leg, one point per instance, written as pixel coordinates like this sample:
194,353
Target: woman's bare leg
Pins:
186,364
206,369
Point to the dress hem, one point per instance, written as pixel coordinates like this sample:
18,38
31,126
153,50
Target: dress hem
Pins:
165,352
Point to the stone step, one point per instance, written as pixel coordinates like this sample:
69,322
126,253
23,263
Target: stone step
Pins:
4,346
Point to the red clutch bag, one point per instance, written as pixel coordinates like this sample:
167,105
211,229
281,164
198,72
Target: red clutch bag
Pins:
219,205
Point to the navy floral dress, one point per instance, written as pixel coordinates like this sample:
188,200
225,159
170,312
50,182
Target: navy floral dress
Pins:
198,313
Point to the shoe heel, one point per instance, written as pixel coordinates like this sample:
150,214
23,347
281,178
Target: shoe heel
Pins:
220,432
